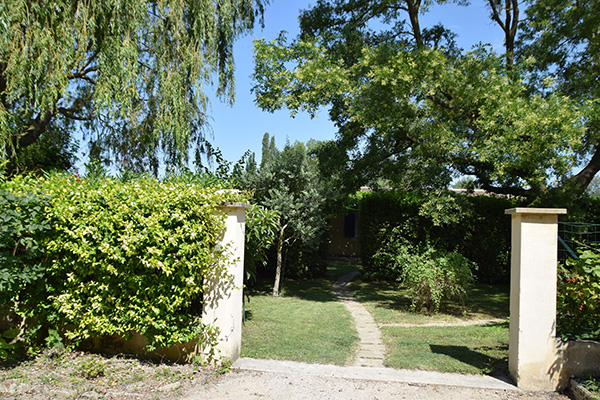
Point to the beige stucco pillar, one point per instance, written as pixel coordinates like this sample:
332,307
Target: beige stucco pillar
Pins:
533,359
223,292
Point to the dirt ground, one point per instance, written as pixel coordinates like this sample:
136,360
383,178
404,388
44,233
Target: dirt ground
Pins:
76,375
243,385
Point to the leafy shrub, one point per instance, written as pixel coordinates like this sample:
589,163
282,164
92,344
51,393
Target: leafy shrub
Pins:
120,256
434,276
477,228
23,226
261,227
579,297
430,274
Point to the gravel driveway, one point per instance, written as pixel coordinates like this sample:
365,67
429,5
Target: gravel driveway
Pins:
242,385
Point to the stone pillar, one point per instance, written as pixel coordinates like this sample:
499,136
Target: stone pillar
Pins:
223,295
533,358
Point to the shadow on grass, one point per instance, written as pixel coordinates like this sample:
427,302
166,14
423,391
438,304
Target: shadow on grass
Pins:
491,359
493,366
492,300
319,289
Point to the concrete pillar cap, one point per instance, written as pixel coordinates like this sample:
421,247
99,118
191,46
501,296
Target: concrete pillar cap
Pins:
527,210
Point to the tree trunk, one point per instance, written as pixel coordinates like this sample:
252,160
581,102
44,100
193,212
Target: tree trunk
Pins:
279,262
509,26
585,176
413,13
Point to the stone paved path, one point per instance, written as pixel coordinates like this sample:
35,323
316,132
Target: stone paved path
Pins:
371,350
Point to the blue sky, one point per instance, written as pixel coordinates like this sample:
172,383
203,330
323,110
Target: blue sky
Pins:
241,127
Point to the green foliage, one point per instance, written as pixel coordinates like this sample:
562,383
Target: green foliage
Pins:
475,226
7,345
435,276
132,74
431,275
484,237
289,183
55,150
23,259
91,368
579,297
119,256
379,212
592,384
559,37
261,229
414,110
54,340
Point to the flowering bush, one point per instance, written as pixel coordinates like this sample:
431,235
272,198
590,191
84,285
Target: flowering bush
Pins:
579,297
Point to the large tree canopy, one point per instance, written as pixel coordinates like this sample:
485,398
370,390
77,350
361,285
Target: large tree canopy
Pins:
563,44
132,73
417,111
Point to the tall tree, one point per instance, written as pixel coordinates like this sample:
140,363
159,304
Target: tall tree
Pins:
413,108
289,183
562,41
134,73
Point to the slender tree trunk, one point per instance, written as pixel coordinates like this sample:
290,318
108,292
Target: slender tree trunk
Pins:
413,13
509,25
279,261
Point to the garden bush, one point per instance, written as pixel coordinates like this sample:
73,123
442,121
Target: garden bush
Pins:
579,297
23,261
474,226
110,257
431,275
434,276
261,229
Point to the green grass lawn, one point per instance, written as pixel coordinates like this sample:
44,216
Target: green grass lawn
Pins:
475,349
390,304
462,349
306,323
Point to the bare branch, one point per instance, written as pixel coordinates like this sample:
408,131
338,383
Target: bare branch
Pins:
440,102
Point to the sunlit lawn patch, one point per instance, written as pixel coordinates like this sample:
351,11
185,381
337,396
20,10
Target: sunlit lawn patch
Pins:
390,304
463,349
305,324
477,349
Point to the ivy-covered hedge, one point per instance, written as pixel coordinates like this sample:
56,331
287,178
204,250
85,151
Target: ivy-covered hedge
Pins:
475,226
93,257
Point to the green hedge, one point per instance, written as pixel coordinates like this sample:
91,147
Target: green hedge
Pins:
93,257
475,226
